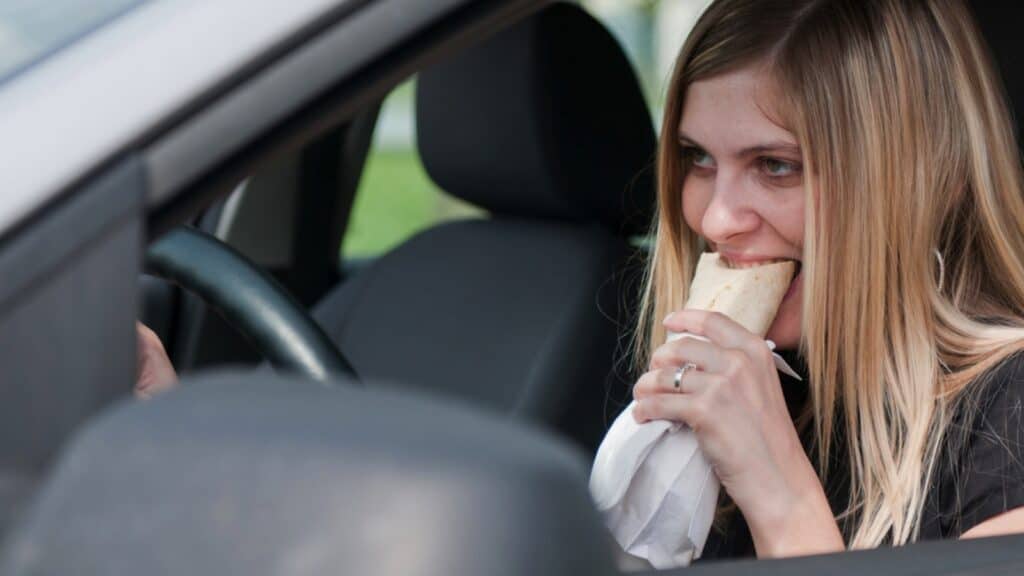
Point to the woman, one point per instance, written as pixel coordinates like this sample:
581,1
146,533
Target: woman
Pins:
869,140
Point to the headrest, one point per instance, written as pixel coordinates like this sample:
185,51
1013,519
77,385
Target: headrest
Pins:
545,120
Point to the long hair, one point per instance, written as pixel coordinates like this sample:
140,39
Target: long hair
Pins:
913,269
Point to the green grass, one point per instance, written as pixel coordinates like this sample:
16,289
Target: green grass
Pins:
395,200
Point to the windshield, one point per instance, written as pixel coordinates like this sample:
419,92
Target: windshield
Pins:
31,30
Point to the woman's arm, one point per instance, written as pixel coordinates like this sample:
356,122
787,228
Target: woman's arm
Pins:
1009,522
800,527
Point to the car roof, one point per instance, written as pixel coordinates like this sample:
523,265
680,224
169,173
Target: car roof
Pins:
73,112
31,31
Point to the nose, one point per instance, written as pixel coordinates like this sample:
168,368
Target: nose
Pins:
729,213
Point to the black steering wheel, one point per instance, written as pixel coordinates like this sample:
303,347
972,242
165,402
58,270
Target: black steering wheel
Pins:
250,301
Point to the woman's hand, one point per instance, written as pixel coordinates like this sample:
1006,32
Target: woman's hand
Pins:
733,402
154,371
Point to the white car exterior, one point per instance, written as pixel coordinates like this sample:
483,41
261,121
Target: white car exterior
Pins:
72,112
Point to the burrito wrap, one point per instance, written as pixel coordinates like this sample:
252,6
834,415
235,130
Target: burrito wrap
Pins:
750,296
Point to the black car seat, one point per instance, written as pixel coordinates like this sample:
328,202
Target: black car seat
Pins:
1002,33
544,126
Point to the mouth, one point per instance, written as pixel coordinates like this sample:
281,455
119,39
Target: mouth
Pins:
742,263
797,279
745,264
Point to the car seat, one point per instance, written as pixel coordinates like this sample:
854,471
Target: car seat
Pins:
1001,34
527,311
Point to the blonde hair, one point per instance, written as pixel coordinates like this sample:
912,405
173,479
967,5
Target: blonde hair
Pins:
908,150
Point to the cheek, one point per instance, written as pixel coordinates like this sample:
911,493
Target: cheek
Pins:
696,197
790,227
794,224
787,216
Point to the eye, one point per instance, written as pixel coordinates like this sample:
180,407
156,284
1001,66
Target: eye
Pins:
698,158
779,168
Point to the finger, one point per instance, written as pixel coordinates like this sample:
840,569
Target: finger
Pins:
683,408
706,355
157,376
663,382
154,371
720,329
140,348
148,337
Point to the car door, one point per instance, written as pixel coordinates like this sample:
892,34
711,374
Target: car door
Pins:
131,123
150,115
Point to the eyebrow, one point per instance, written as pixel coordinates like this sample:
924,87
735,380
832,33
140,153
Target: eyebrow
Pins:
764,148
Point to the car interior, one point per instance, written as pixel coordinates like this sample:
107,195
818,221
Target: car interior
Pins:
524,312
431,410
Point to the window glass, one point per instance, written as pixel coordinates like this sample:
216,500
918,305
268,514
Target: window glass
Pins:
32,29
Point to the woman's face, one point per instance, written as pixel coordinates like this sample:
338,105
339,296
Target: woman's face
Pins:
743,192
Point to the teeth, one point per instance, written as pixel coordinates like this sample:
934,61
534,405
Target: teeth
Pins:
745,265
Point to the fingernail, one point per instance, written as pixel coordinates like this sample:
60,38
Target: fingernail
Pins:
771,345
667,318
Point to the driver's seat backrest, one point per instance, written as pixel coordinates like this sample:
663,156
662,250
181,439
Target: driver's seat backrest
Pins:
1002,34
526,312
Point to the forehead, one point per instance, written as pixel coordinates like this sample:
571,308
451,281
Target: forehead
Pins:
732,111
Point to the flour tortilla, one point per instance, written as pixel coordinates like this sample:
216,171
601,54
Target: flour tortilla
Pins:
750,296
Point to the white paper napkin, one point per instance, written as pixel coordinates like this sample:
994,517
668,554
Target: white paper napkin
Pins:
655,488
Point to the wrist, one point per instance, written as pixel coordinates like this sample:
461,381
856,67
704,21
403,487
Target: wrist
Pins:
797,522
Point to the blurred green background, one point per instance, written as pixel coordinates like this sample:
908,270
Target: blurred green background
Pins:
402,200
396,197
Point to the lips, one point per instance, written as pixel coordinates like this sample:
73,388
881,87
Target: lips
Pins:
740,261
795,284
742,265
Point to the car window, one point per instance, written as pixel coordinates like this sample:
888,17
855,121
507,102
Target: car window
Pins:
396,198
32,29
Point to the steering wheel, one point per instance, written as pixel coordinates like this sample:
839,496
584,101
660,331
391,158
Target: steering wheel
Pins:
250,301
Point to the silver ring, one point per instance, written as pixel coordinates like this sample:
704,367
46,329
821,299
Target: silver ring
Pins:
677,380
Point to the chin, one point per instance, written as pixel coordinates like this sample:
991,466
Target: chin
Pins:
785,331
784,337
